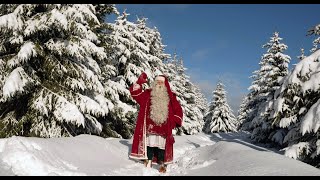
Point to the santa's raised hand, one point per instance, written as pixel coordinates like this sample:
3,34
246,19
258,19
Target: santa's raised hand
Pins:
143,78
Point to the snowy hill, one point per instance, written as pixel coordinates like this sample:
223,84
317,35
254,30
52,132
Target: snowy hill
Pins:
201,154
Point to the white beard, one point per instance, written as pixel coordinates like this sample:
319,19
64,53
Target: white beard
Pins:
159,104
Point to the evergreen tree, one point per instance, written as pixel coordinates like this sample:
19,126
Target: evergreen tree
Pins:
65,71
186,95
201,101
176,86
243,111
136,49
119,121
50,58
295,116
151,38
219,117
315,31
193,119
273,68
296,111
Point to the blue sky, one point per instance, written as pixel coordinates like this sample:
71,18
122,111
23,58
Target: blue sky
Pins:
225,40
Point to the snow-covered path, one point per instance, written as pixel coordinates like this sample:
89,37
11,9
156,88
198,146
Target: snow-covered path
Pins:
201,154
226,155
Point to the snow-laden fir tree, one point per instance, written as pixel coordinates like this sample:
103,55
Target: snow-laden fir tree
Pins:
295,114
188,96
248,109
193,114
243,111
51,71
219,117
273,68
136,49
119,120
171,71
297,111
315,31
201,100
152,39
134,55
279,62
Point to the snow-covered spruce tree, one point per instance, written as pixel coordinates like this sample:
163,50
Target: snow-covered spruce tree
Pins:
273,68
50,57
187,95
201,100
176,86
118,122
243,111
152,39
193,116
134,55
249,110
137,49
315,31
297,110
275,79
193,101
219,117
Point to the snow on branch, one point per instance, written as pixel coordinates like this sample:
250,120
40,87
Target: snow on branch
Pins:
311,121
63,110
11,21
16,39
59,19
91,48
26,52
308,68
105,103
60,46
81,13
285,122
88,105
75,84
294,151
35,24
15,82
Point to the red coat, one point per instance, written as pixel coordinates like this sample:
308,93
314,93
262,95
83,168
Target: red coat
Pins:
175,115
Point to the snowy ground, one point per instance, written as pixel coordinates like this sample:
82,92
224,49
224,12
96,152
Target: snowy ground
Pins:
201,154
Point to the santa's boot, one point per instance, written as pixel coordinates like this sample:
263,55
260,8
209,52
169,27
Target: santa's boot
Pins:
163,168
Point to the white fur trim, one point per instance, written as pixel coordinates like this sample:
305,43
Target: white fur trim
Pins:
135,157
178,117
137,94
160,78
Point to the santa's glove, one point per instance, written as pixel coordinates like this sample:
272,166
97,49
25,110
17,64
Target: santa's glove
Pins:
142,78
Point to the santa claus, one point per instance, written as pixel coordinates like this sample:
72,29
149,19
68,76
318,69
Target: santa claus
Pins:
160,112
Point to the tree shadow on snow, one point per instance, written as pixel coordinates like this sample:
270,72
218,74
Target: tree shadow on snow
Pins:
241,138
193,143
126,143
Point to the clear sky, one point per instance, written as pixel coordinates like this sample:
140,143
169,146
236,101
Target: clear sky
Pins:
225,40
